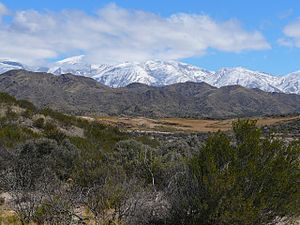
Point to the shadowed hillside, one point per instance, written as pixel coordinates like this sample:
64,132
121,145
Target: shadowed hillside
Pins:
80,95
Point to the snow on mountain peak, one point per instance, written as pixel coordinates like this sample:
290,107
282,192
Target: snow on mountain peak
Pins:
159,73
7,65
72,60
290,83
245,78
75,65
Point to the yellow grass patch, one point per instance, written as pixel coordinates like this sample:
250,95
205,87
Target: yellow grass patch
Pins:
183,125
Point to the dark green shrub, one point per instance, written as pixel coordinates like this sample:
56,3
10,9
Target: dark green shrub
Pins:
2,201
44,155
6,98
66,120
28,114
106,136
12,135
49,126
26,105
39,123
11,115
56,135
252,181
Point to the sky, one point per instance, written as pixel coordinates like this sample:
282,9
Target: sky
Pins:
261,35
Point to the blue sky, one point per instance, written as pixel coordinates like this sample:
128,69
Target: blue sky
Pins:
265,32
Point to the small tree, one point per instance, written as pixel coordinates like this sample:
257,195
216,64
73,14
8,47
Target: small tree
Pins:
138,160
250,180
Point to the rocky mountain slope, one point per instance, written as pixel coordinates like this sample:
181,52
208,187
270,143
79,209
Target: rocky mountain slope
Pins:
85,96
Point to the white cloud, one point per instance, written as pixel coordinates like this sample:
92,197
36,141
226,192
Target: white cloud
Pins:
3,9
285,42
292,33
116,34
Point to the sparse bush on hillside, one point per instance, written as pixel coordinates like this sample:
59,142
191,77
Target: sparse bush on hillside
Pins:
2,201
65,120
39,123
12,135
28,114
104,136
6,98
49,126
10,114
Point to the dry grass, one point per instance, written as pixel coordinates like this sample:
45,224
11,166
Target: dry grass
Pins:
8,217
180,124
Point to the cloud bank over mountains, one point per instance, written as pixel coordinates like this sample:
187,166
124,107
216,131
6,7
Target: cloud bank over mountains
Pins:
114,34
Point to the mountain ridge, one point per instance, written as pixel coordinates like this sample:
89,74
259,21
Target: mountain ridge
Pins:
84,96
161,73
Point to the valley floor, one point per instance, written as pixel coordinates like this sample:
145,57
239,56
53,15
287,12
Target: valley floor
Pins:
184,125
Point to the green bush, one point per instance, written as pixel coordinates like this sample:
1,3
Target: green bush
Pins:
56,135
6,98
39,123
252,180
43,156
12,135
105,136
2,201
28,114
26,105
66,120
10,114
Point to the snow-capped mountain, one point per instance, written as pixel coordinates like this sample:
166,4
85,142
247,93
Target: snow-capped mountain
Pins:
156,73
245,78
75,65
159,73
6,65
290,83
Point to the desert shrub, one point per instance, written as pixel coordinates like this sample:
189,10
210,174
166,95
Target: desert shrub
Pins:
26,105
57,205
2,201
37,156
10,114
147,140
49,126
39,123
28,113
105,136
252,180
11,135
51,131
6,98
66,120
138,160
84,144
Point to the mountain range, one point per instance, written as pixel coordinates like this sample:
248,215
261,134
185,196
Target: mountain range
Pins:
84,96
161,73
